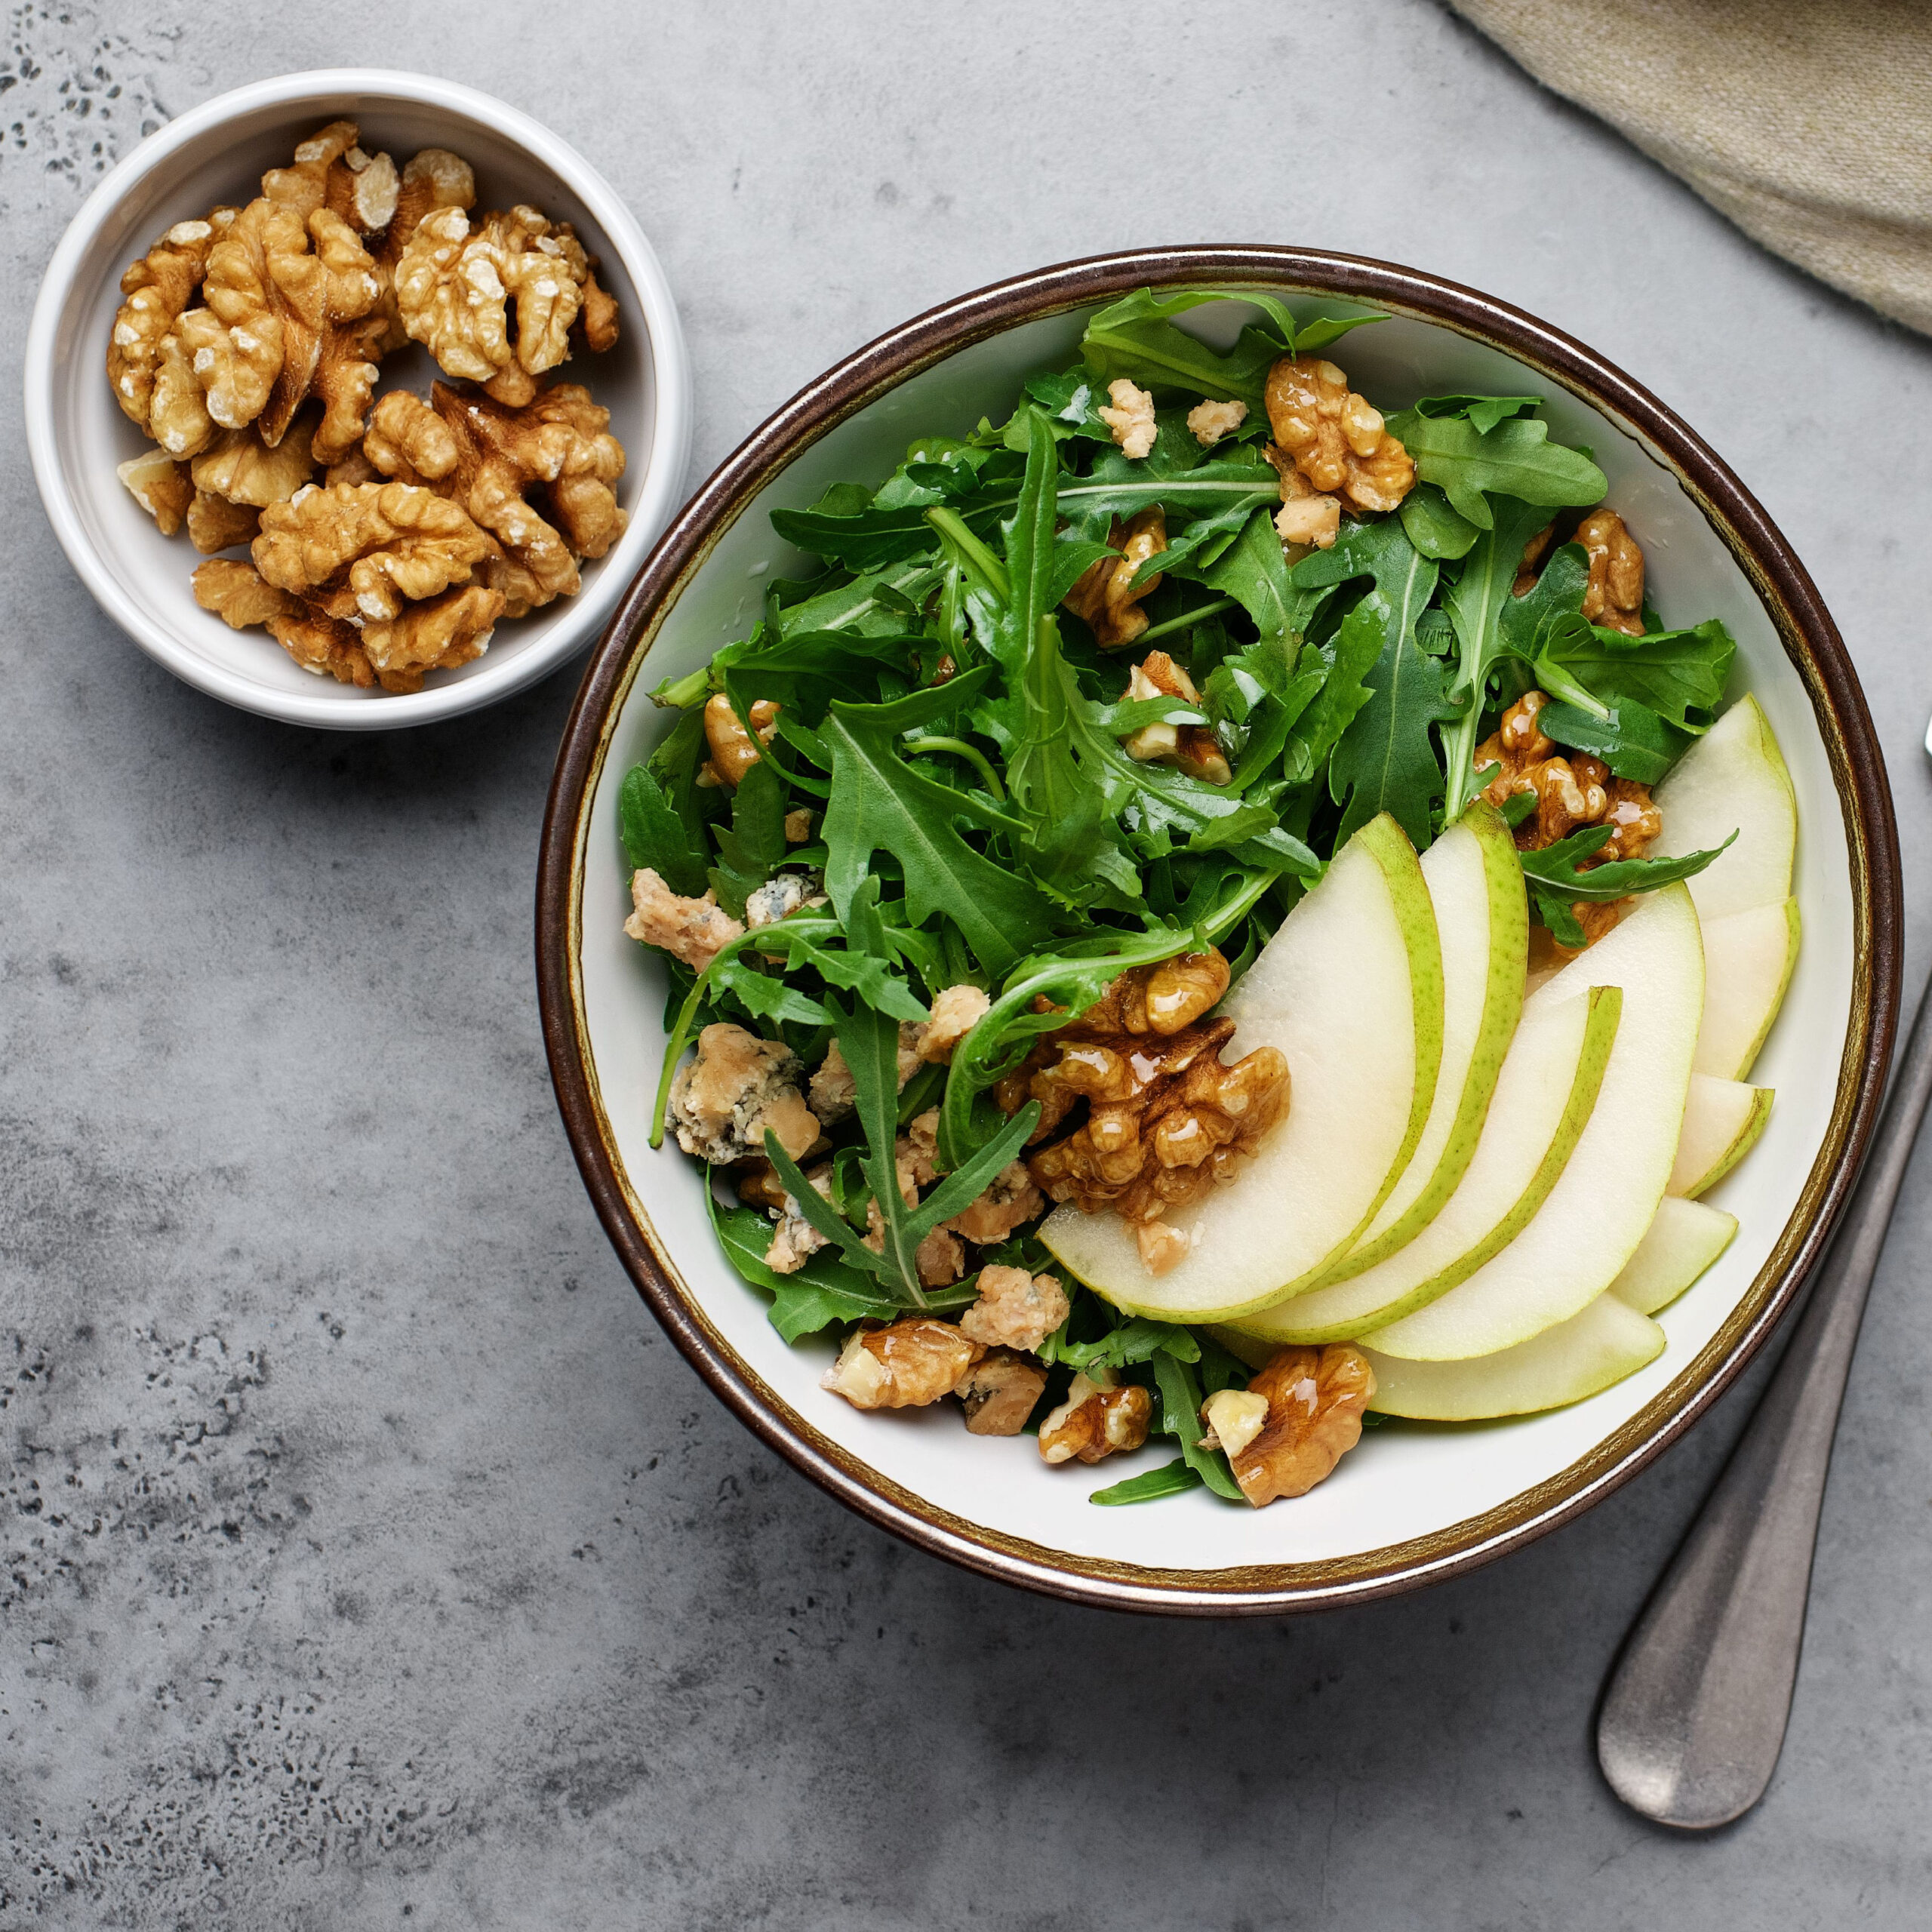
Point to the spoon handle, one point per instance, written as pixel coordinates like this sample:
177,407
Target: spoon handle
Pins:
1693,1715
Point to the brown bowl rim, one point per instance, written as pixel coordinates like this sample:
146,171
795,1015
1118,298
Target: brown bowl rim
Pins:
1811,641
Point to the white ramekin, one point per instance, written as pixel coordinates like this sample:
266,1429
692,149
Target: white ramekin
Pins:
77,434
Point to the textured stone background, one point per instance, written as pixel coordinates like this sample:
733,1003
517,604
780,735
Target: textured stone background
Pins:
370,1557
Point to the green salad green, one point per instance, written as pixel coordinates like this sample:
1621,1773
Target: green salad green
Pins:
959,745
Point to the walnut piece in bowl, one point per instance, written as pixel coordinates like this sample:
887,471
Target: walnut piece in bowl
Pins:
266,379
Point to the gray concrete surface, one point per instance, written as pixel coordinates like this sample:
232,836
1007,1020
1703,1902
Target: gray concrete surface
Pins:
370,1559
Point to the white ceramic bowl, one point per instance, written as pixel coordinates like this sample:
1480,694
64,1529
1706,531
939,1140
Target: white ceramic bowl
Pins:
1413,1502
217,152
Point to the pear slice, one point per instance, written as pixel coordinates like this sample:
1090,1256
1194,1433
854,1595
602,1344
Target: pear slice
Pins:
1722,1120
1604,1342
1732,779
1577,1242
1543,1101
1350,990
1748,960
1683,1240
1476,886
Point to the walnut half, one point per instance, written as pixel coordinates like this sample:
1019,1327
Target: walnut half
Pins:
1096,1419
1316,1399
1336,438
492,459
904,1365
495,303
1105,594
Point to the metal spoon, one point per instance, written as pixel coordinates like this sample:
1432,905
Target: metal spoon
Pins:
1693,1714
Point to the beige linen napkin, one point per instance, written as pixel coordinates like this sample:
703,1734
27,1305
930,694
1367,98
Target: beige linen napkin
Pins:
1808,122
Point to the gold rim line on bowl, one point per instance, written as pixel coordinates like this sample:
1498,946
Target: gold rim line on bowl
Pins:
1811,640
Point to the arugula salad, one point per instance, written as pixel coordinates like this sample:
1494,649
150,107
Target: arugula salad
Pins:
1105,906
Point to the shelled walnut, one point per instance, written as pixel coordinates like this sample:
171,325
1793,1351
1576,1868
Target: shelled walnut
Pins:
367,549
1316,1399
281,298
1614,595
1165,1119
1572,790
161,486
158,290
432,178
330,170
1105,594
1336,437
1097,1419
1189,748
236,593
494,304
1131,418
734,750
904,1365
491,459
1615,598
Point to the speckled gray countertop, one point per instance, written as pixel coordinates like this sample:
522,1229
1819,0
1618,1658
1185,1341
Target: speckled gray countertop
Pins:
370,1558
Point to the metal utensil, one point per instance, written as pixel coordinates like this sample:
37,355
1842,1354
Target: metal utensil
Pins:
1694,1712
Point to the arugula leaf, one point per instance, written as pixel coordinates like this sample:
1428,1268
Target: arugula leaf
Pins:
867,975
1635,742
1255,571
871,605
1180,1417
654,835
1135,337
1136,1340
819,1294
1515,459
903,1228
870,1041
1553,870
1554,912
1485,411
1434,527
1386,761
764,996
804,671
1347,659
879,802
1071,400
1224,489
1474,603
1170,1479
1066,844
861,540
1679,676
755,842
1518,806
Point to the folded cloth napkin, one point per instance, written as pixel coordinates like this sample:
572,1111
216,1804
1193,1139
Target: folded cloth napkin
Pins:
1808,122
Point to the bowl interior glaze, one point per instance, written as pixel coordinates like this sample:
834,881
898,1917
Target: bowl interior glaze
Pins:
1411,1502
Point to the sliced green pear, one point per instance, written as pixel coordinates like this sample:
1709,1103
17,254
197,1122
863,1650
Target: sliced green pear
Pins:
1543,1101
1350,990
1577,1242
1722,1120
1604,1342
1475,885
1732,779
1683,1240
1748,960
